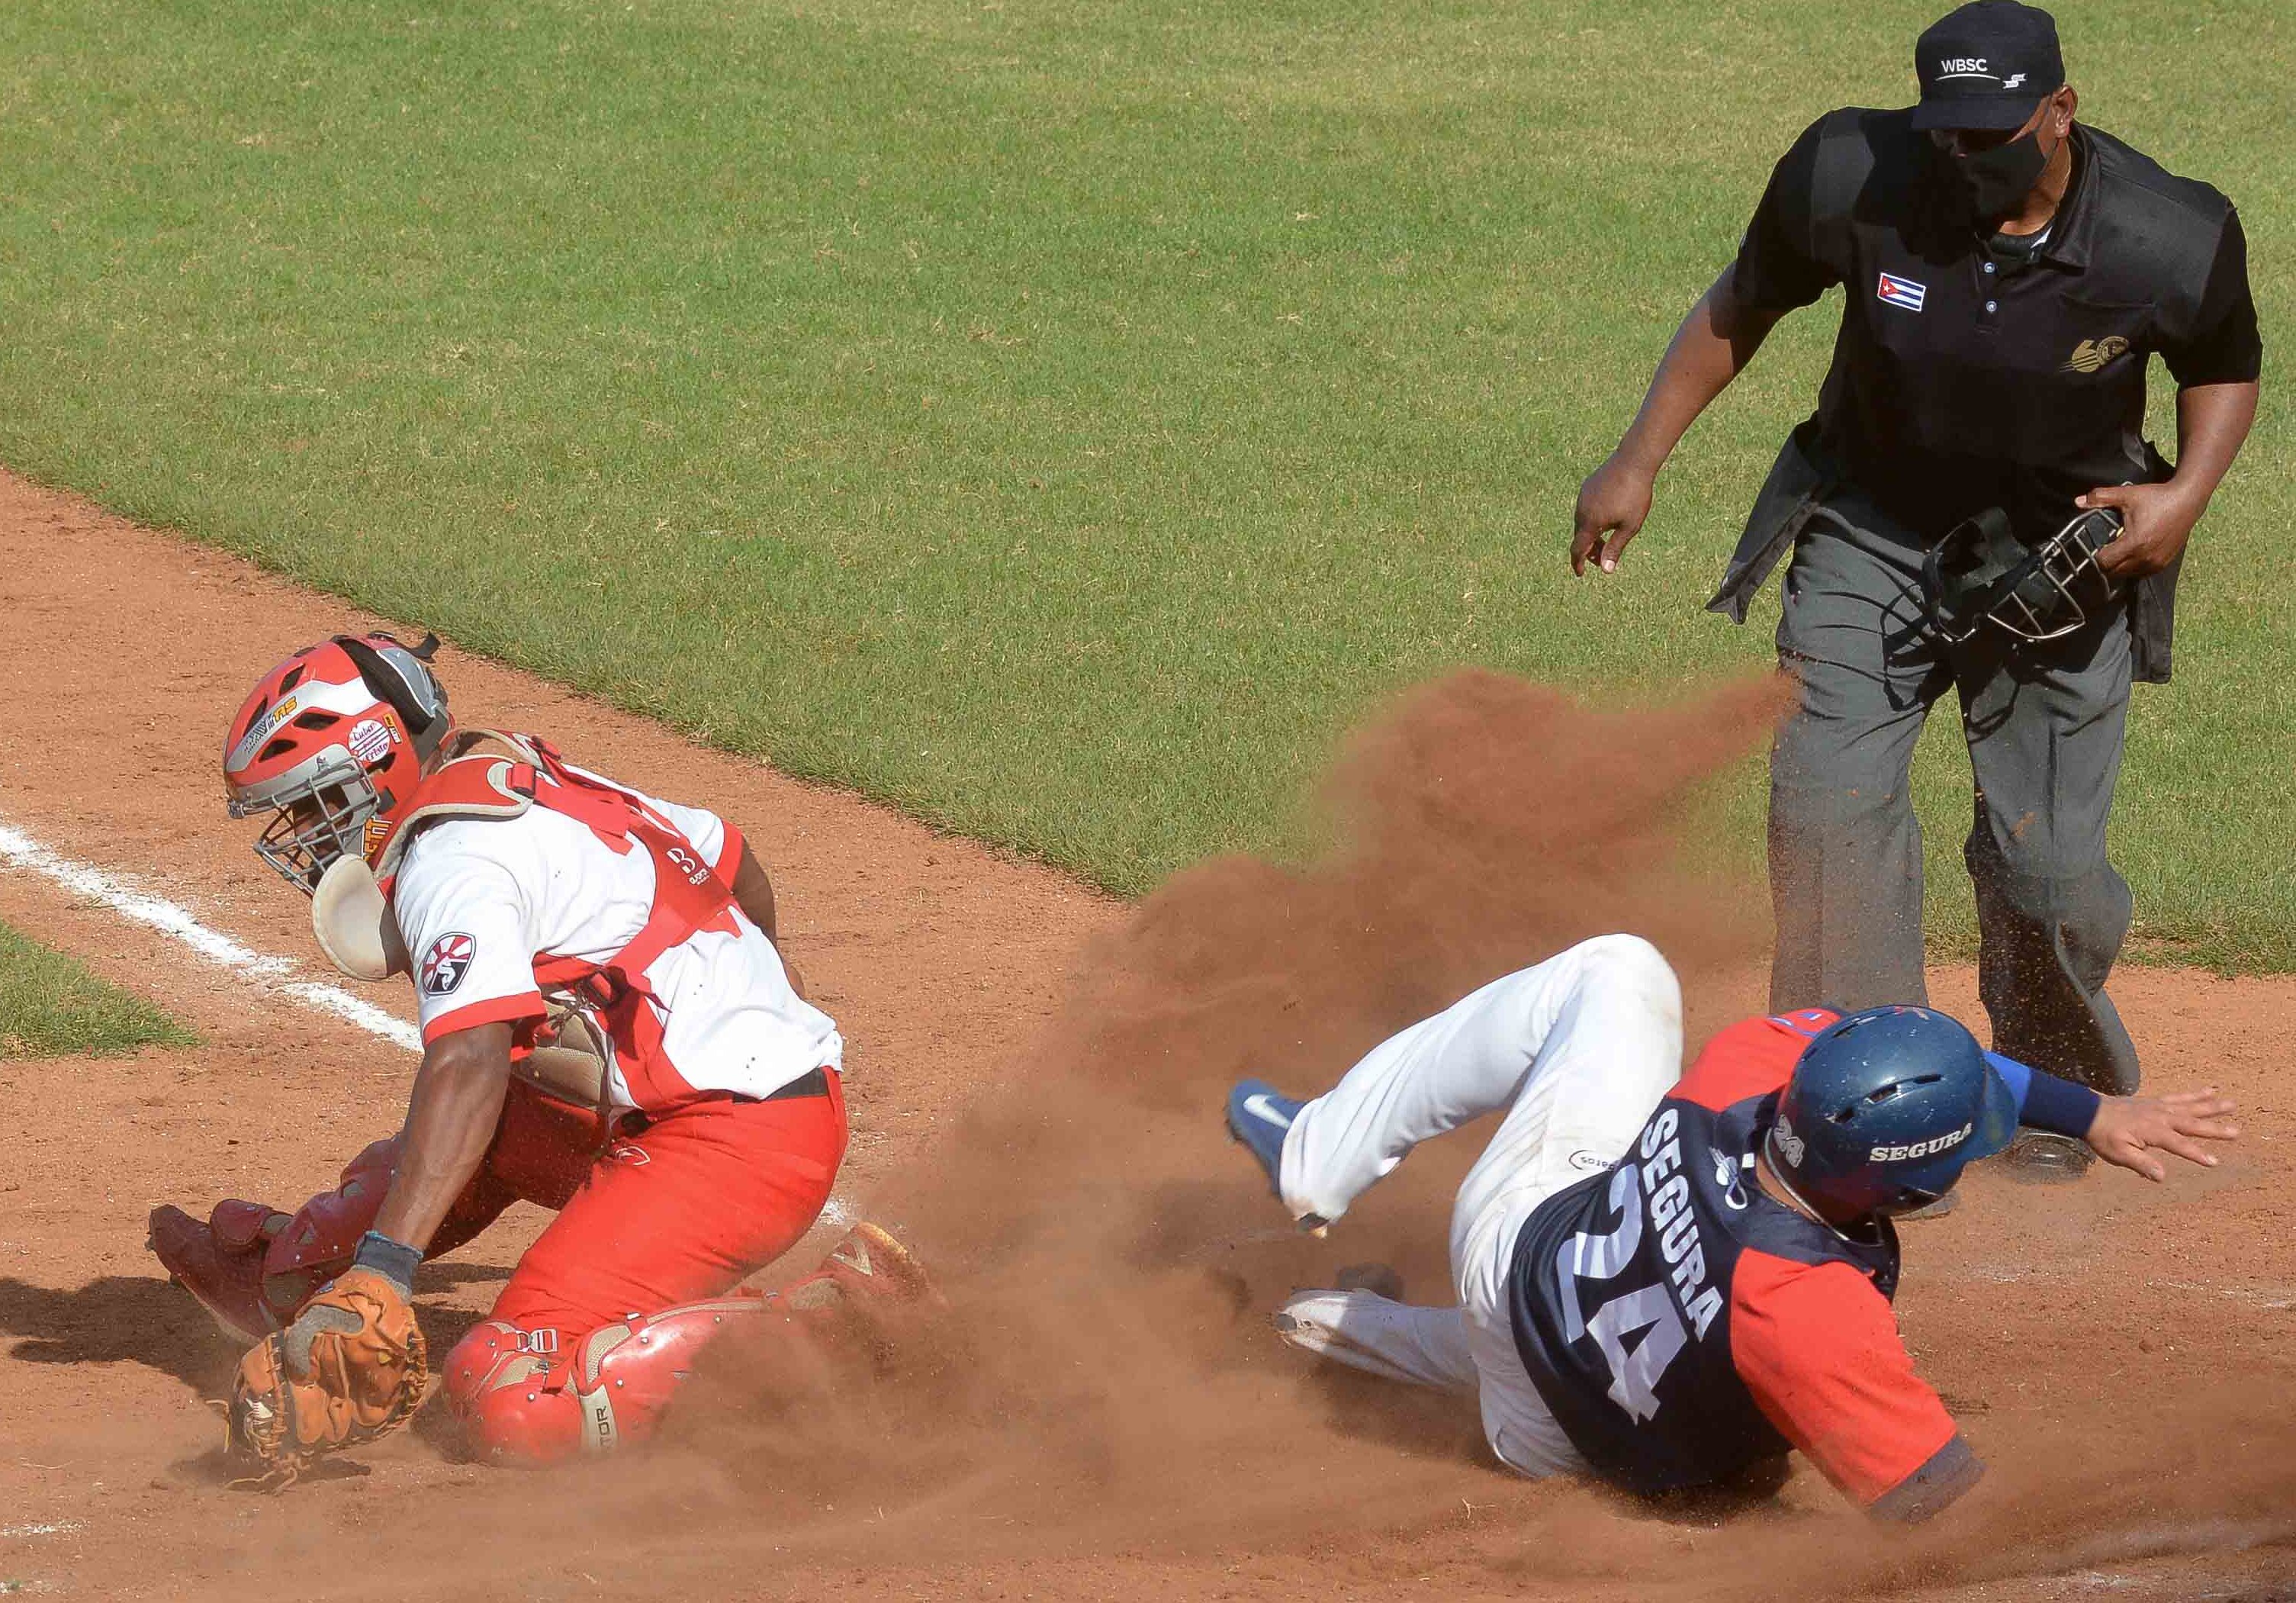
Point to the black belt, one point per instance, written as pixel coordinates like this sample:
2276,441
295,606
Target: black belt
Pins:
814,1084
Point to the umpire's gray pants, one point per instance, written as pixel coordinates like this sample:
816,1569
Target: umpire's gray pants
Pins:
2044,725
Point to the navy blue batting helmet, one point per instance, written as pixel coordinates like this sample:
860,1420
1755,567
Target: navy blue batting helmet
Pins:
1883,1109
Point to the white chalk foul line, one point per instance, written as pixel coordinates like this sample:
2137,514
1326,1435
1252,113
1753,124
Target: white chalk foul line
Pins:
21,851
46,1527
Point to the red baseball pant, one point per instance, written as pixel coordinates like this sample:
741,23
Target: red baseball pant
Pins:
603,1311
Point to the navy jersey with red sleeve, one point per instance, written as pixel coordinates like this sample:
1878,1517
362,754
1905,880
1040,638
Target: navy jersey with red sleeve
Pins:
1682,1326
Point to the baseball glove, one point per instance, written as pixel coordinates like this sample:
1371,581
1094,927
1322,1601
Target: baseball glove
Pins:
351,1368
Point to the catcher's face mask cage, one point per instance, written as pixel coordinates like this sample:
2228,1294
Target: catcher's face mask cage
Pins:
332,739
1982,573
318,820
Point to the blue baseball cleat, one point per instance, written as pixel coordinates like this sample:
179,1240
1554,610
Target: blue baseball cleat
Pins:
1260,1116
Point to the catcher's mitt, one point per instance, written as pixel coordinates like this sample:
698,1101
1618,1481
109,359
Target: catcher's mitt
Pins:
351,1368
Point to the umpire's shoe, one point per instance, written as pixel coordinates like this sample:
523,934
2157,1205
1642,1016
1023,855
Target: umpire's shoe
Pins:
1260,1116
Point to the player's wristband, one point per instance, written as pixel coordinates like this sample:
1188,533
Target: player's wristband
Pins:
2060,1107
2044,1101
394,1261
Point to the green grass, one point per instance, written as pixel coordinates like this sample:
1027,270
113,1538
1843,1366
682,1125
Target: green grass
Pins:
51,1006
1057,417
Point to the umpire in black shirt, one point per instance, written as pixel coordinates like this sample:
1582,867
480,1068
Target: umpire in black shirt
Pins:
2007,272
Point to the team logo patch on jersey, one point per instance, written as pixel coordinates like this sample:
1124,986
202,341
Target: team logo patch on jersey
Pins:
370,740
1894,291
2090,355
447,962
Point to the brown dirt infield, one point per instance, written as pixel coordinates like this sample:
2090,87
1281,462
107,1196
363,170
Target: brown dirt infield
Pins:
1033,1076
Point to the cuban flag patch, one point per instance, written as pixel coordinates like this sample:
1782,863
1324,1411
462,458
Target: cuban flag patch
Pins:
1901,291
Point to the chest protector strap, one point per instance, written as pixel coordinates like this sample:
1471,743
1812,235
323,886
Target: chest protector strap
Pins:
689,896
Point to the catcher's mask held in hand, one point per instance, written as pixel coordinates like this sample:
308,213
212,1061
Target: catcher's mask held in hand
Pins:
328,741
1981,573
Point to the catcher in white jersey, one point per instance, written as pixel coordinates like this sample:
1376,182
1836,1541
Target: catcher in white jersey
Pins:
609,1029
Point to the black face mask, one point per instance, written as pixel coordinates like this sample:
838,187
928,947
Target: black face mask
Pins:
1996,182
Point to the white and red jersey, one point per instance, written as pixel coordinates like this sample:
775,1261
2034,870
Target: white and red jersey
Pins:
602,894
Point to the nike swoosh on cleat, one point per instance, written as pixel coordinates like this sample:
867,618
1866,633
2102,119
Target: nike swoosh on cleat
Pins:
1260,1104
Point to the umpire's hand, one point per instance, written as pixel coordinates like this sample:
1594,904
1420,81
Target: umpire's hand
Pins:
2156,521
1613,503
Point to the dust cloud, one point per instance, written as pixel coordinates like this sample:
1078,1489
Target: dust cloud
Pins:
1110,1258
1102,1384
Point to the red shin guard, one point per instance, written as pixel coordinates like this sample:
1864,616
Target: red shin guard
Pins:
520,1400
528,1397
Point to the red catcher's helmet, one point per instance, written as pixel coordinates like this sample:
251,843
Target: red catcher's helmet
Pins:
332,742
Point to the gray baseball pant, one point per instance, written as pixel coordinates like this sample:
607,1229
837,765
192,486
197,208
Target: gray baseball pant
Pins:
2044,725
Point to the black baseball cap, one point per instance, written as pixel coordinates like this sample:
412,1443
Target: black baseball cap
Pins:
1986,65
